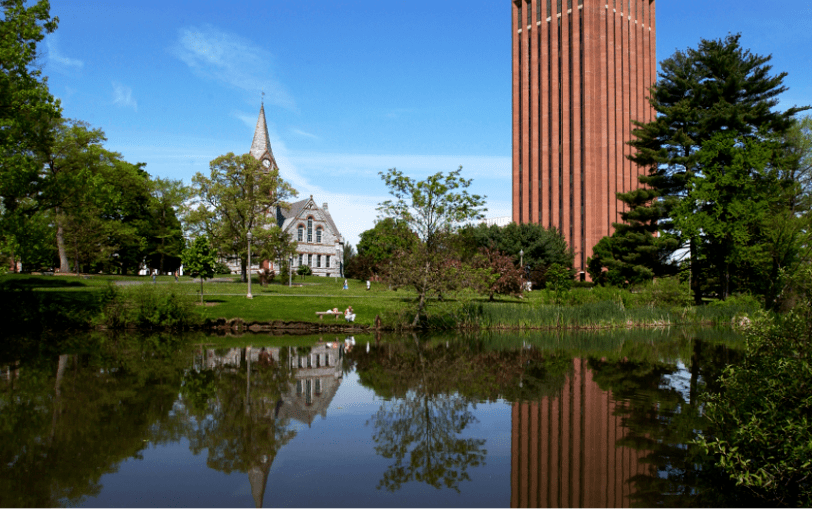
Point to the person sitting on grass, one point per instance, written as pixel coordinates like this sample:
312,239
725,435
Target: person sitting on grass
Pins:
349,314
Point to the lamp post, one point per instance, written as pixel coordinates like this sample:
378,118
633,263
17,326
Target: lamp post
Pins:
291,268
249,264
522,259
523,273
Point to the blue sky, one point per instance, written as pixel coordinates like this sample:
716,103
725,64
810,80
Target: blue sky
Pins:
352,87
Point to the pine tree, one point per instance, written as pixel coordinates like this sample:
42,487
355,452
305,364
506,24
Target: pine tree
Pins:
715,88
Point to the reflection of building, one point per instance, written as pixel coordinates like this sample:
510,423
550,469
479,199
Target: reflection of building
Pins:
317,376
581,70
565,453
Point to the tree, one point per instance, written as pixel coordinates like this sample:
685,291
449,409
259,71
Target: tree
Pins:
505,276
640,247
27,109
274,245
378,245
166,241
717,87
542,246
433,206
239,196
432,209
199,260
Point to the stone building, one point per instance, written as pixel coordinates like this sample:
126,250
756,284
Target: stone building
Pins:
581,70
319,242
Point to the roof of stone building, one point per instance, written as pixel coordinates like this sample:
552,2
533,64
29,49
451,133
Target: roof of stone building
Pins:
294,210
260,143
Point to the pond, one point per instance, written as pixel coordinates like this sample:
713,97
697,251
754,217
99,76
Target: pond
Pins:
594,419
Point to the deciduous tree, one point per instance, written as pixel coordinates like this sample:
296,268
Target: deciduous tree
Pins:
239,196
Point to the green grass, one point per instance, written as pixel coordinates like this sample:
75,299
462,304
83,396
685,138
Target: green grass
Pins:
71,300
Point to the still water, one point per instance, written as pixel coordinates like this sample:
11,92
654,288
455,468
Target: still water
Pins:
597,419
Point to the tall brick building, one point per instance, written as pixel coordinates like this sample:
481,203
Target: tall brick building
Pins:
581,70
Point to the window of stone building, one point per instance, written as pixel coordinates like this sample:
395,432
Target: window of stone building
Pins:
310,225
318,260
309,260
299,387
318,387
328,261
300,233
300,260
319,234
309,397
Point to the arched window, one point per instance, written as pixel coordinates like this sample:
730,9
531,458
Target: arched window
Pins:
300,233
310,221
319,234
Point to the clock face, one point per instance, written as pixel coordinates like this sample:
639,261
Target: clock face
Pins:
266,163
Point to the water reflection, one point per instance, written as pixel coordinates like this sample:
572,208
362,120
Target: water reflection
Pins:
596,421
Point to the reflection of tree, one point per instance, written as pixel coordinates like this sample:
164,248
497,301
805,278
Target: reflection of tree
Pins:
237,423
68,419
660,420
420,433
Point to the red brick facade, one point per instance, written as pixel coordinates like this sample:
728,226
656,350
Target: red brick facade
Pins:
581,70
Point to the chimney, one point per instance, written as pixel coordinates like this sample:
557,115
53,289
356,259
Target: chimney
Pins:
325,206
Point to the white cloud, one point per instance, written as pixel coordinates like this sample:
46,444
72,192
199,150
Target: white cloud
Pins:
59,61
232,60
123,96
303,133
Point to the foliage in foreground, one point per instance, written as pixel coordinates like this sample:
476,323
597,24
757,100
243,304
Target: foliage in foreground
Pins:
762,418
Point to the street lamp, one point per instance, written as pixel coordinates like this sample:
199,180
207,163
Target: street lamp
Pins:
522,259
291,263
249,263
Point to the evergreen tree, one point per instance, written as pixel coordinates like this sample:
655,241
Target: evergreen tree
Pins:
715,88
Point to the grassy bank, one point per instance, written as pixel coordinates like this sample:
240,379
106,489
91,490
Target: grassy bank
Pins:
90,301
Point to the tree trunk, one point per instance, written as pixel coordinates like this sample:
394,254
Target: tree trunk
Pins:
694,273
63,255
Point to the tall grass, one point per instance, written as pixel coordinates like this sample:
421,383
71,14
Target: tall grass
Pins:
592,315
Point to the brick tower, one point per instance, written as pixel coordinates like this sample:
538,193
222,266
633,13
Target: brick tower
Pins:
581,70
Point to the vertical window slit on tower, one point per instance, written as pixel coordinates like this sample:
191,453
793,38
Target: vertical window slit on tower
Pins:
560,120
519,15
549,110
538,9
571,137
520,132
529,116
548,8
558,6
583,152
528,12
540,119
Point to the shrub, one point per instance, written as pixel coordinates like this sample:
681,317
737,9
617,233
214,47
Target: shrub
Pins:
221,268
150,306
762,417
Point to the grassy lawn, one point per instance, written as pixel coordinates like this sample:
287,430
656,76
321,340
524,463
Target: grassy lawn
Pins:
68,298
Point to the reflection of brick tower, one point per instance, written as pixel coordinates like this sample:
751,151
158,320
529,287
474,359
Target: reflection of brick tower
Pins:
564,453
581,70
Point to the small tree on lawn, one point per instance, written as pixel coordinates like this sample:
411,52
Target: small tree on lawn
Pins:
432,209
199,260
